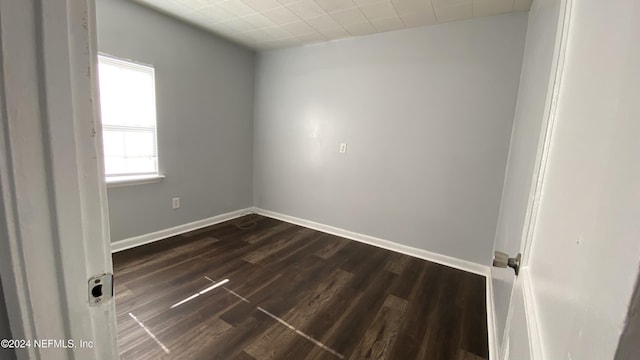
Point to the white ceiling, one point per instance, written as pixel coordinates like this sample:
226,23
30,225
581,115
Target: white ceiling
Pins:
268,24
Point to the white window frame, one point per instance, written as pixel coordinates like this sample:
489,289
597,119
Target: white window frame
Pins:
125,179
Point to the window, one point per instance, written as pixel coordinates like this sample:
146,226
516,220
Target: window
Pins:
128,108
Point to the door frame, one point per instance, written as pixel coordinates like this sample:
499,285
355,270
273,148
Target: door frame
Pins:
540,167
551,109
54,227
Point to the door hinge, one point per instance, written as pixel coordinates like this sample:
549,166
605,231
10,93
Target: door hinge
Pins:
503,260
100,289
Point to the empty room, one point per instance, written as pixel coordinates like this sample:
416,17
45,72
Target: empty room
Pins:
319,179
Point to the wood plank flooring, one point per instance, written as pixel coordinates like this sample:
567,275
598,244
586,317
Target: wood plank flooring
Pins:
258,288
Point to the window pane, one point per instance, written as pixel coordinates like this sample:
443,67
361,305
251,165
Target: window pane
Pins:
139,143
113,142
115,165
141,165
127,98
109,96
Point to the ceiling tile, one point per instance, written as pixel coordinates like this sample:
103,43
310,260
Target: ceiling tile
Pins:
281,15
268,24
216,14
378,10
239,25
453,13
236,7
413,20
491,7
262,5
258,20
306,9
335,33
259,35
387,24
411,6
323,22
335,5
299,28
449,3
349,16
278,33
360,29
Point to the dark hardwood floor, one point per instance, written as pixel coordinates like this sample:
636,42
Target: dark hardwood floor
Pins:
258,288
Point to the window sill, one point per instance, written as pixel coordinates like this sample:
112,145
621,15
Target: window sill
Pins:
133,180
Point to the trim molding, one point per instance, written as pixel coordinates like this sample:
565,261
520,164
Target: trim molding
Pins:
121,181
176,230
381,243
533,330
491,320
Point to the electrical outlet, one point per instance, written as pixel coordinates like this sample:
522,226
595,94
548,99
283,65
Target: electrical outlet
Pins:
343,148
176,203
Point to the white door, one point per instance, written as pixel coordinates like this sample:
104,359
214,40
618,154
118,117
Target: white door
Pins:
525,169
53,219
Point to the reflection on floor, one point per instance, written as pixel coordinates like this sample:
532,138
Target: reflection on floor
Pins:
258,288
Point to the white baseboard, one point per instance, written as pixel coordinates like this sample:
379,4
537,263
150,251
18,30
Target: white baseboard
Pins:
381,243
492,334
176,230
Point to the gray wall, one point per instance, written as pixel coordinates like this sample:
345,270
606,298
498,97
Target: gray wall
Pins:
427,115
204,95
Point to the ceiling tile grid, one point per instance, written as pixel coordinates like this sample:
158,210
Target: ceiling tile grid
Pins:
268,24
